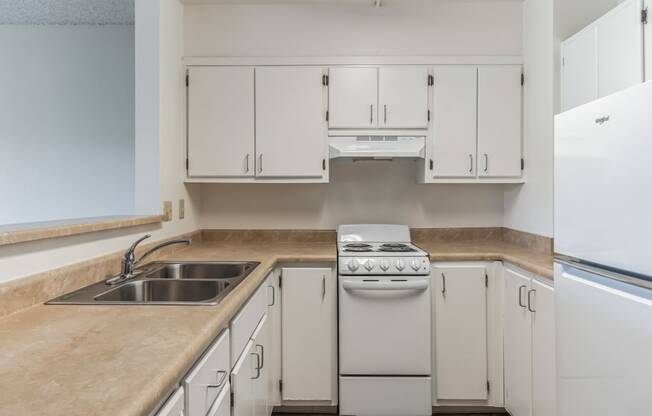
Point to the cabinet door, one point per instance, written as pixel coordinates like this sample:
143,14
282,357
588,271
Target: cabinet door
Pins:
220,121
222,405
518,345
290,122
579,69
454,110
620,48
460,332
242,376
308,329
274,353
174,405
542,299
403,97
353,98
262,379
499,121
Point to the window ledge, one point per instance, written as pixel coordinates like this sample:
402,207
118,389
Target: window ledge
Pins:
21,233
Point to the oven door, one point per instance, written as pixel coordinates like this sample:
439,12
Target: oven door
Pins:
384,325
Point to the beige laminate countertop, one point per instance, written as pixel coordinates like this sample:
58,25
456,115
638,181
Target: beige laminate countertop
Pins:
124,360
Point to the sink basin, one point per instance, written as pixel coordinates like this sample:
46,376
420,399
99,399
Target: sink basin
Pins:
166,283
199,270
166,291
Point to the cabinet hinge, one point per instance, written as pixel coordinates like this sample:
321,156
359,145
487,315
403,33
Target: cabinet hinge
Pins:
432,164
324,80
232,399
187,164
488,386
644,16
522,79
280,386
428,115
522,164
323,164
280,280
187,80
486,280
327,115
431,80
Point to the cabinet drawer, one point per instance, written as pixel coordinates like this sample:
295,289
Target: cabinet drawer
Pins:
246,321
208,377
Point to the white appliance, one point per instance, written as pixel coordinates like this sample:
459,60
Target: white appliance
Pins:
603,273
377,147
384,322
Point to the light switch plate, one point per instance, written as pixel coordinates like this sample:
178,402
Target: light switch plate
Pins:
182,209
167,210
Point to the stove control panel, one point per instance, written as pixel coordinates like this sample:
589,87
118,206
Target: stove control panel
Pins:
384,266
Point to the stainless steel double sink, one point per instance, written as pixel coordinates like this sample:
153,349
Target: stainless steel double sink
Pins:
166,283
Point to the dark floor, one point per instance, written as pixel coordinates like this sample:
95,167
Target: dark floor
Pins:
436,414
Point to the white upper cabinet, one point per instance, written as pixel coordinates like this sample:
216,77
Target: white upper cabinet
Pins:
499,121
291,137
579,69
403,97
606,56
353,98
220,121
620,48
460,316
309,340
454,122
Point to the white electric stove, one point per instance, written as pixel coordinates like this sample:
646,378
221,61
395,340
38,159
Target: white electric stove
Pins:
384,322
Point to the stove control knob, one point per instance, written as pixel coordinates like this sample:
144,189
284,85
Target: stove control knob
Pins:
415,265
384,265
369,264
353,265
400,265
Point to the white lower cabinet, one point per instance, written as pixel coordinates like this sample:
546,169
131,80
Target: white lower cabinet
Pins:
309,340
529,345
174,405
460,299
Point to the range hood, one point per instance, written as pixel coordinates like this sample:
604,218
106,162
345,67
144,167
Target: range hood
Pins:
377,147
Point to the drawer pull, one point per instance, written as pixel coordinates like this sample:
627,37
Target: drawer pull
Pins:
221,376
262,356
257,365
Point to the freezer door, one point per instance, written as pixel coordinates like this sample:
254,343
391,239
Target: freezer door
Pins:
604,339
603,181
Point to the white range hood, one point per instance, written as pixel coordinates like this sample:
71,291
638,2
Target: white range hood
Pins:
377,147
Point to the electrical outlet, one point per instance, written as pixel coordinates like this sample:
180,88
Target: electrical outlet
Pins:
182,209
167,210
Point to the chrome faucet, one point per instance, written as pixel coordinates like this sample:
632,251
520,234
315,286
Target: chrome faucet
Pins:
129,262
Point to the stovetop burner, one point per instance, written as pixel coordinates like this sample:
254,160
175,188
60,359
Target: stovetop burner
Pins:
405,249
358,247
394,245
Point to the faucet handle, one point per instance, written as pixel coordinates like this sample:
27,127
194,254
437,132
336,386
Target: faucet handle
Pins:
140,240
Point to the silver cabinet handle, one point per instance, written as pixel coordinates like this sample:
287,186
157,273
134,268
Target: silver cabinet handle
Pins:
273,295
443,284
323,287
385,112
470,163
257,365
220,380
247,163
371,114
260,163
520,296
486,162
529,300
262,356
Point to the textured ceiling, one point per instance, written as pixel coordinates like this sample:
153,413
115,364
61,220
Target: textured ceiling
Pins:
66,12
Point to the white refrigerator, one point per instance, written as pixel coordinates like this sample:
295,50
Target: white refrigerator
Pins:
603,263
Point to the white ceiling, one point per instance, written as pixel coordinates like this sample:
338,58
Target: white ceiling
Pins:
66,12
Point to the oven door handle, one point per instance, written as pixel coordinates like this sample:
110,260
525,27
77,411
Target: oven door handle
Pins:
417,284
